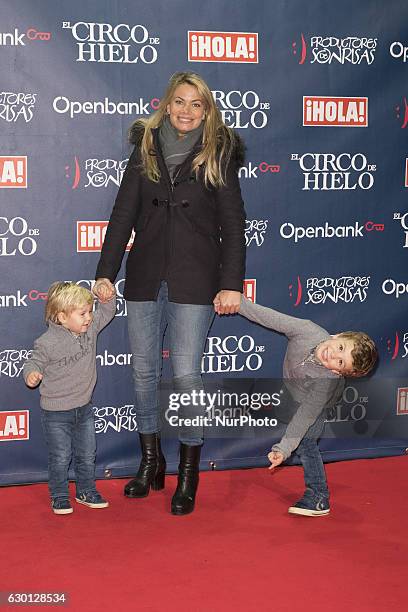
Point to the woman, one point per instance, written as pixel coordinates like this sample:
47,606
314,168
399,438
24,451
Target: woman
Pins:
181,195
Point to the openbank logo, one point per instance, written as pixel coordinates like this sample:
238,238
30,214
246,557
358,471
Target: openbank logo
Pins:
329,49
63,105
19,299
394,288
16,237
347,289
335,111
15,106
13,171
399,51
14,425
328,171
91,234
251,170
99,172
241,109
107,43
288,231
15,39
232,47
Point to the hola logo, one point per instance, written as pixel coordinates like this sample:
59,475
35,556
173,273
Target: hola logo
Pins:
327,171
255,230
122,43
338,112
242,109
329,49
14,106
99,172
15,38
250,289
14,425
235,47
403,219
13,171
231,354
16,237
91,234
345,289
402,401
250,171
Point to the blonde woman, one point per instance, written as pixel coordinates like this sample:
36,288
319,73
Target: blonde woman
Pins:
181,195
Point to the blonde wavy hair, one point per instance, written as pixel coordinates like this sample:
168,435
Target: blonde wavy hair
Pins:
65,297
219,140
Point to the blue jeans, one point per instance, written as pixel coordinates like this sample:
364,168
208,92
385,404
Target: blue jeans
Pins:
70,433
188,325
311,459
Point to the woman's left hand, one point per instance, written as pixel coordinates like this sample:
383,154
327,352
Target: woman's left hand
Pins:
227,302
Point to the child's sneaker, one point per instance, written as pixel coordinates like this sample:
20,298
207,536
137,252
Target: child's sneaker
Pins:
309,507
61,505
92,499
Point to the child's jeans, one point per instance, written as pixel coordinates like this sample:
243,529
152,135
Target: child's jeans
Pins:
311,459
70,434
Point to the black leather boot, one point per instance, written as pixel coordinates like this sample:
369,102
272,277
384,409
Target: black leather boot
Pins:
184,497
152,468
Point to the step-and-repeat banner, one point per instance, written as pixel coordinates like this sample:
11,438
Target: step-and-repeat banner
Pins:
318,91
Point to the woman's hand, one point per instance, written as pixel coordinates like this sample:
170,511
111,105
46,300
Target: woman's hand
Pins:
227,302
104,290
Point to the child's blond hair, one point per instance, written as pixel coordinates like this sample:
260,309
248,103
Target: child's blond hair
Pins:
65,297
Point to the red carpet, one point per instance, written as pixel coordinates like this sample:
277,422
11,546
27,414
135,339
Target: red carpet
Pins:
239,550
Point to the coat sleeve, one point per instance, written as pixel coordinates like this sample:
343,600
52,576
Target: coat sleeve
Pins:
121,221
231,217
38,360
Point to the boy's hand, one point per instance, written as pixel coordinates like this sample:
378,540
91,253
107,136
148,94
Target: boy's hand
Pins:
104,290
276,458
227,302
33,379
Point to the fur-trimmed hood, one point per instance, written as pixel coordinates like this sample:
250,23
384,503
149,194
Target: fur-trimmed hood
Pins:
137,129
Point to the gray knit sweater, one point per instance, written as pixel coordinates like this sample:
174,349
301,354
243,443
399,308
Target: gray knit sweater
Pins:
312,386
67,362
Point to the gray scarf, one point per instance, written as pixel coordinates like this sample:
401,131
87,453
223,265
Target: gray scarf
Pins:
176,150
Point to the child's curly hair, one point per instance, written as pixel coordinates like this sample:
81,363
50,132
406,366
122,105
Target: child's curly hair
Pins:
364,353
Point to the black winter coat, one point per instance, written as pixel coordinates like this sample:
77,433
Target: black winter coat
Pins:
186,234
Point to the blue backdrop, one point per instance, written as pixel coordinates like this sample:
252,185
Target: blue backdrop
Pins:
317,91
